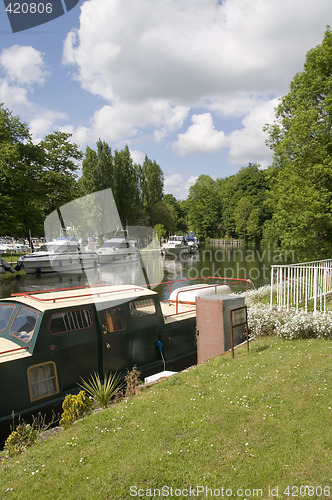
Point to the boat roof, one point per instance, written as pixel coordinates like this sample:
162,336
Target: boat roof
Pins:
71,297
9,351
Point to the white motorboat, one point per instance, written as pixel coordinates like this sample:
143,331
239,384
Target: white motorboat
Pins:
118,249
192,241
176,245
62,255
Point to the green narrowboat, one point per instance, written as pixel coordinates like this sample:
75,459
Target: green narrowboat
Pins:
50,340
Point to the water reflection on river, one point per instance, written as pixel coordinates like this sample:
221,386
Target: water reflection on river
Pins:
223,261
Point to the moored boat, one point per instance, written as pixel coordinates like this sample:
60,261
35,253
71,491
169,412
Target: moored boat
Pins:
192,241
50,340
175,246
62,255
118,249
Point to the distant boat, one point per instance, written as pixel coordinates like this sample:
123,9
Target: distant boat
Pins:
192,241
62,255
176,245
118,249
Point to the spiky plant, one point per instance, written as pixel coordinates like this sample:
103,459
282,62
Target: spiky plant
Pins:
102,392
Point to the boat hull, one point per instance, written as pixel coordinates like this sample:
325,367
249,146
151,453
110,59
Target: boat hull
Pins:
174,251
118,258
71,263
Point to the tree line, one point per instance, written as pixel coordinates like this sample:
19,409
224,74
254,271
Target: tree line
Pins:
287,205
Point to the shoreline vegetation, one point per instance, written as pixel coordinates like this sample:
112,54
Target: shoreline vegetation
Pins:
246,424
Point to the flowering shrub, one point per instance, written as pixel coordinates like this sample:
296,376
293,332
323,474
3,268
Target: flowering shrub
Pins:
74,406
20,439
289,325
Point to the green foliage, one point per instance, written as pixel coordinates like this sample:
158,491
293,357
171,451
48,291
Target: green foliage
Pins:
59,177
301,140
20,172
97,169
164,214
74,406
24,436
137,189
204,207
43,175
152,184
102,392
160,231
244,208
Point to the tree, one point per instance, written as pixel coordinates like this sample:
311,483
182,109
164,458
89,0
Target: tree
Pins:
125,186
179,211
162,213
59,179
152,184
20,174
97,169
243,202
302,143
204,210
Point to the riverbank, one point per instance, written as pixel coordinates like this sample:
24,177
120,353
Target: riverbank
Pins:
233,425
7,268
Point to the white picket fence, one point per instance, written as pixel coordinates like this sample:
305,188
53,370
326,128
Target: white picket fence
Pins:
297,284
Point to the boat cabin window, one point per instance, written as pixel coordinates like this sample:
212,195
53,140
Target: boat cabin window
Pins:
115,319
6,311
68,321
42,380
142,307
117,244
24,324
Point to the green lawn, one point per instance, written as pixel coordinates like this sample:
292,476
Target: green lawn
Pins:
251,424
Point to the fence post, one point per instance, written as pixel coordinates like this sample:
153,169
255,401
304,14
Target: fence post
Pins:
315,289
271,295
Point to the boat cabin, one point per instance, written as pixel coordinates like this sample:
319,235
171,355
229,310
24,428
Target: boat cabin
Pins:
50,340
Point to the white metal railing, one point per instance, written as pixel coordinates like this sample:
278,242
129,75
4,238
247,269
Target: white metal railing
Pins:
296,284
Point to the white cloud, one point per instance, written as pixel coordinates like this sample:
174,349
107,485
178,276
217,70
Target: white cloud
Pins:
248,143
121,122
185,51
137,156
217,62
201,137
176,185
43,123
24,65
155,66
15,97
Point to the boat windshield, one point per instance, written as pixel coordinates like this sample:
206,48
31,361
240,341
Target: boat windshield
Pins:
6,311
116,244
24,324
63,248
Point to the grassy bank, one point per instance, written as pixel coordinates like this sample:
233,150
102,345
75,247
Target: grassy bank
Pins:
258,421
11,259
8,275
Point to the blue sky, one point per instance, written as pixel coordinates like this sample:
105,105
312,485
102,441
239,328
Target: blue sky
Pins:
190,83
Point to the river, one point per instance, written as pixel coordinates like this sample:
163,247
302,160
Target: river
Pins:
243,262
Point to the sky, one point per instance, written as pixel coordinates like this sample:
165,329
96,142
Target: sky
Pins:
189,83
